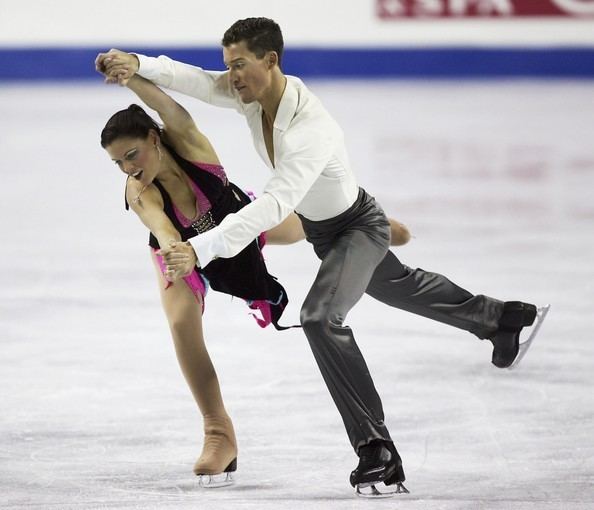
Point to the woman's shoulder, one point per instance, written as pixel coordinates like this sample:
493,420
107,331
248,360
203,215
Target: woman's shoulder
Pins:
140,194
133,188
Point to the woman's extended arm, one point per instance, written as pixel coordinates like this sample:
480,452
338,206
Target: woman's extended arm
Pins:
181,129
147,204
174,116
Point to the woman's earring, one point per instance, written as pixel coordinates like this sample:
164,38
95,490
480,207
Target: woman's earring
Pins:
159,151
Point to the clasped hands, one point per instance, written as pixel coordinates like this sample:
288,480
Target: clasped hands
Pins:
180,260
117,66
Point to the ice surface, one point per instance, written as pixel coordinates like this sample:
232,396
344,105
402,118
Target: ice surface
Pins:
495,181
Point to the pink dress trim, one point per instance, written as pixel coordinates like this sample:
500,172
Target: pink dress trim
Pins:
203,205
194,281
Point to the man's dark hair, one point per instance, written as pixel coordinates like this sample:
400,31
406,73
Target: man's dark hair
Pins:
133,122
260,34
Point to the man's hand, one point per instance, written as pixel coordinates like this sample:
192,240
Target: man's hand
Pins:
117,66
180,260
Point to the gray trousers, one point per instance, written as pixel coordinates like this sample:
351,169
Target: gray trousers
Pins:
353,248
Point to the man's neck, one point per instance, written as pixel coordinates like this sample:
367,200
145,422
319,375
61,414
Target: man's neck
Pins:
271,101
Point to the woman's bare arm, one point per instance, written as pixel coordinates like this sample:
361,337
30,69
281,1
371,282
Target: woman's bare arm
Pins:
181,129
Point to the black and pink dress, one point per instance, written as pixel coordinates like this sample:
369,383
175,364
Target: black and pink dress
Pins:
244,275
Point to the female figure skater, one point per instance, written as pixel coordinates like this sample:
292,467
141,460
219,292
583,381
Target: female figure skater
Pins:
178,188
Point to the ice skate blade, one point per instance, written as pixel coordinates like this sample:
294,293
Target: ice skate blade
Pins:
215,481
370,491
541,313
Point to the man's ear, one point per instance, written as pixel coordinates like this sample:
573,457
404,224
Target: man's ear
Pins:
272,59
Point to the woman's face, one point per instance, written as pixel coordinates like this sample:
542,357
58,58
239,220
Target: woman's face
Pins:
136,157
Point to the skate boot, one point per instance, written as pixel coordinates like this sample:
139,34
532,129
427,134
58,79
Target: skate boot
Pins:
218,459
378,462
507,349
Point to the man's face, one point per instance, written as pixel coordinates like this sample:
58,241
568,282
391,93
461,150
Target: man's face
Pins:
249,75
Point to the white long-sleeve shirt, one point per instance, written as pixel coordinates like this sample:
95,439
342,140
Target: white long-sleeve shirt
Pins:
311,173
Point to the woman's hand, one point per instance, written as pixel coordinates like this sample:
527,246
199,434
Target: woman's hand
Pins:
117,66
180,260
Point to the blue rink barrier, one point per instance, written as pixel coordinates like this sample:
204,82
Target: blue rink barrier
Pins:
63,64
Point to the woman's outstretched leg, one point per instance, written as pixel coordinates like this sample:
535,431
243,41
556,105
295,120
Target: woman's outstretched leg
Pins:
184,314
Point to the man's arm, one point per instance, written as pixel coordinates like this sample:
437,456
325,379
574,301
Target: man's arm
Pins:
292,179
212,87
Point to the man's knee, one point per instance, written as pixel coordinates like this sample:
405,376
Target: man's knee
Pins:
316,319
311,317
398,282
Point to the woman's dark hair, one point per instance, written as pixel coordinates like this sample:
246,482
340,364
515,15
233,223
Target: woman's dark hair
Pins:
133,122
260,34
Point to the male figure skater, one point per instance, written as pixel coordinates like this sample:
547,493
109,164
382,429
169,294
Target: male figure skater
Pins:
305,150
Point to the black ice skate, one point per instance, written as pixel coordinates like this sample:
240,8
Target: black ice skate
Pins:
379,462
507,348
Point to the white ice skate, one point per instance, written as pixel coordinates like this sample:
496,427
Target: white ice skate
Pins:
541,314
370,491
216,481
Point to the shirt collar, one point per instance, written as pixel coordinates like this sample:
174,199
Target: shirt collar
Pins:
287,106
